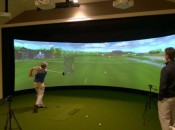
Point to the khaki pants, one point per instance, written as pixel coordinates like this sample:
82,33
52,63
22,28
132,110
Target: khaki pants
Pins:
40,88
166,110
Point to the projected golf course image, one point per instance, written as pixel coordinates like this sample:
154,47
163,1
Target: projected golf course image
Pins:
129,64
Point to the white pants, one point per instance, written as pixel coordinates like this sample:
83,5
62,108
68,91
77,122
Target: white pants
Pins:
40,88
166,110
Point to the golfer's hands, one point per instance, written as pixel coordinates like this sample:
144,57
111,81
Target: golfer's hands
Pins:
35,68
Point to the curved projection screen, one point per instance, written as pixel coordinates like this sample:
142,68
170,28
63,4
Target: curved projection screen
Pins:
132,64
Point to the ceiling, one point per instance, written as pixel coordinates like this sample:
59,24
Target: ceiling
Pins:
16,7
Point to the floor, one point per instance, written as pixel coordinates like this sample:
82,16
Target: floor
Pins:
81,110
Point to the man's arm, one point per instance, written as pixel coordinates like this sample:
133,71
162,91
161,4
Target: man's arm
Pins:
30,73
163,83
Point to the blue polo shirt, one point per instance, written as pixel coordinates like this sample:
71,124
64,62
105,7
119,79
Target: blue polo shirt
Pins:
40,76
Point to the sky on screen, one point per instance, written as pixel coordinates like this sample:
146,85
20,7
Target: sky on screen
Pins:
138,46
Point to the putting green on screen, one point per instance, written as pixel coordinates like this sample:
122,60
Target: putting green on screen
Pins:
116,71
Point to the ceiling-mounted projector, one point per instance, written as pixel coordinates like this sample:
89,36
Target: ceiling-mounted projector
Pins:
123,4
45,4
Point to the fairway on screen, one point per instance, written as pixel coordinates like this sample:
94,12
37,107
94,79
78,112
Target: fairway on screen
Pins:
129,64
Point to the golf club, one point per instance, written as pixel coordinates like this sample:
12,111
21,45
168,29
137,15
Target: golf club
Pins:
56,72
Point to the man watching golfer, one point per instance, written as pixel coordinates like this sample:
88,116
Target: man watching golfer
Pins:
166,103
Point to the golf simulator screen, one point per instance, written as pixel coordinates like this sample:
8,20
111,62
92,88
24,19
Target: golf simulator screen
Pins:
131,64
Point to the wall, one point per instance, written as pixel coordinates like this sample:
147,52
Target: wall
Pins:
0,65
97,9
15,8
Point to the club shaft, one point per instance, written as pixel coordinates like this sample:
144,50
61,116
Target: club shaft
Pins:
54,71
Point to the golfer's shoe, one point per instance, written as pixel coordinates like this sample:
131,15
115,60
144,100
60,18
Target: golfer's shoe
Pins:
35,109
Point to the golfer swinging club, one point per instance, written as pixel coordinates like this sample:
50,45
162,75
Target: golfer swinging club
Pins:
39,74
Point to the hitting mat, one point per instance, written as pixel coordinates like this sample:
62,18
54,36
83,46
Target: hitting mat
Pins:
65,111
